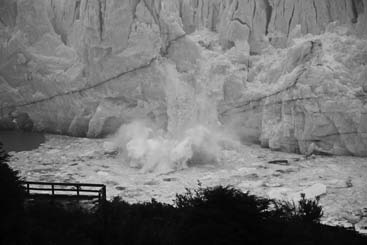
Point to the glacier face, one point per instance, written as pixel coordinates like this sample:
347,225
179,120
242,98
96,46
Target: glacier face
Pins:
289,74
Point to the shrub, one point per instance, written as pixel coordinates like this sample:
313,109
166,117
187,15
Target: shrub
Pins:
143,223
53,222
220,215
310,210
225,215
307,210
12,202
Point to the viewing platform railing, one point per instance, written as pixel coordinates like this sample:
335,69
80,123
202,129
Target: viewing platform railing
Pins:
80,191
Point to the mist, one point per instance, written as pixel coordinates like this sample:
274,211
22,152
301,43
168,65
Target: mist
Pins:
157,151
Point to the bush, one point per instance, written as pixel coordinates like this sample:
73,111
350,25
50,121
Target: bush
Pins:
12,202
225,215
307,210
220,215
52,222
144,223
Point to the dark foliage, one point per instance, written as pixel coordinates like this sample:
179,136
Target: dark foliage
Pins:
12,199
220,215
216,215
145,223
49,222
307,210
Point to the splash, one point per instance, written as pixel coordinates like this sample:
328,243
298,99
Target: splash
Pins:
192,136
152,151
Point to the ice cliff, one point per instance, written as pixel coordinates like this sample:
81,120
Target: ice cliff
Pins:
288,74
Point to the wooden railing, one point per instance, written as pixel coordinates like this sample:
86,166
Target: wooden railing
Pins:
36,189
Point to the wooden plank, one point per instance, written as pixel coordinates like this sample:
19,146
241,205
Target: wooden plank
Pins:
63,184
37,195
59,189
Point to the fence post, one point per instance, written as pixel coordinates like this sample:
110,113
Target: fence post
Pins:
104,193
28,191
77,190
53,189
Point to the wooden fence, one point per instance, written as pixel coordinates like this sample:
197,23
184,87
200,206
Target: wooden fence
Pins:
80,191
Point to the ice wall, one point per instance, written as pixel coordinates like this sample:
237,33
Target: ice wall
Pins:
85,68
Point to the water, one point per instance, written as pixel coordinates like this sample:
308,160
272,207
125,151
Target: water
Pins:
21,141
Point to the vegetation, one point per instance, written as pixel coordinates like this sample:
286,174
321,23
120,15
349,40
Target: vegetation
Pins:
215,215
11,205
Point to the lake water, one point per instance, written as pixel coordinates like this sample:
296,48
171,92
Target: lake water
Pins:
21,141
